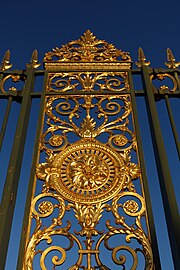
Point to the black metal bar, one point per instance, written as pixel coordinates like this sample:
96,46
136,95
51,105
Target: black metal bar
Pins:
31,180
14,168
173,126
168,195
144,177
5,121
177,80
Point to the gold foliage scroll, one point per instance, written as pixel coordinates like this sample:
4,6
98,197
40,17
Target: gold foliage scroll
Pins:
88,210
88,81
87,49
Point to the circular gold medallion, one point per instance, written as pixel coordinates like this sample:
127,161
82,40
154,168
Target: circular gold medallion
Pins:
89,172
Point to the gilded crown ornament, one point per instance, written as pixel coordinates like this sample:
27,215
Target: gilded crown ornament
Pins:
87,53
87,49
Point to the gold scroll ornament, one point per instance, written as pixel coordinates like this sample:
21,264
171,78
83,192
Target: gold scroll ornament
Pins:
89,175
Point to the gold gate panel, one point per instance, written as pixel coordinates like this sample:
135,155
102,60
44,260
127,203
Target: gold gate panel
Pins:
88,209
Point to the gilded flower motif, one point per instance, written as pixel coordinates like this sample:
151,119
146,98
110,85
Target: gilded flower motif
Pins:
120,140
56,140
45,207
47,171
88,171
88,216
130,207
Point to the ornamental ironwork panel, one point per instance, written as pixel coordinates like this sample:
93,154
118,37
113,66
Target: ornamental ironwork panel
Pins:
88,204
88,164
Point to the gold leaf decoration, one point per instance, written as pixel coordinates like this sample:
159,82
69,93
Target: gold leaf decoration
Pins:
87,49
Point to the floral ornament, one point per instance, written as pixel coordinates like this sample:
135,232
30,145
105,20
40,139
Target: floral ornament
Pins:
130,207
120,140
88,217
56,140
87,49
48,172
45,207
88,171
131,172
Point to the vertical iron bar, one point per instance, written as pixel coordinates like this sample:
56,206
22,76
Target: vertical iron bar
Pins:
144,177
31,180
168,195
5,121
177,80
173,126
12,178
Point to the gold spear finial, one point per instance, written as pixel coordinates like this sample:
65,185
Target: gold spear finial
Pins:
142,59
5,62
34,60
171,60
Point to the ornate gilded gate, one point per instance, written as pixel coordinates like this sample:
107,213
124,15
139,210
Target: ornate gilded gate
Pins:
88,204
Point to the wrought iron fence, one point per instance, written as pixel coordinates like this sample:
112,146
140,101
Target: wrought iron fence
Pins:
88,156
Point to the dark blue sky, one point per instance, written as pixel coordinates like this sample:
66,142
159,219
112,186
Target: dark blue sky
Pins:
43,25
153,25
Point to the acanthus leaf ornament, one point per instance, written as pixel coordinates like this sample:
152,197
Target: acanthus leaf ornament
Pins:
88,81
87,49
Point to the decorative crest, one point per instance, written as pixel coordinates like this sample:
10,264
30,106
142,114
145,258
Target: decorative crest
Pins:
171,60
5,62
87,49
142,59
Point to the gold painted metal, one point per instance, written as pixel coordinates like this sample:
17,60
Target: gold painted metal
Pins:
87,81
142,59
82,66
6,61
161,77
89,52
171,60
91,170
34,60
15,78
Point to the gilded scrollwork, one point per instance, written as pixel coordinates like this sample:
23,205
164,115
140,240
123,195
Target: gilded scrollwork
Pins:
63,115
92,176
87,49
15,78
46,207
88,217
135,231
89,173
122,259
42,233
88,81
163,76
91,169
